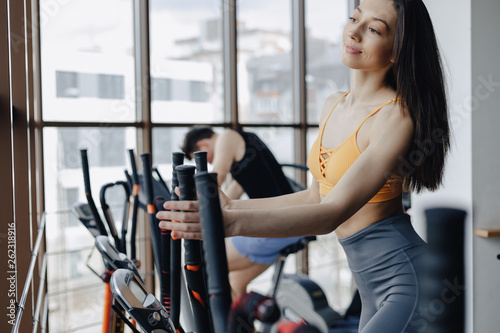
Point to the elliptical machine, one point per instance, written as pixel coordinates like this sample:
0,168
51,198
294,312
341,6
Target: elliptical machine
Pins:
302,300
225,317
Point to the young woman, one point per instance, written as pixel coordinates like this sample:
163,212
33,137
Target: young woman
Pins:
388,132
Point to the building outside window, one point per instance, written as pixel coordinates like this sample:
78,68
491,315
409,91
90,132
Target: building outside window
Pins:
89,76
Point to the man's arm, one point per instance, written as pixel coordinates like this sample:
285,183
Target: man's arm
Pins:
229,147
234,190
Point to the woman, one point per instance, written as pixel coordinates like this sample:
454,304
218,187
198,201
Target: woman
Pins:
389,132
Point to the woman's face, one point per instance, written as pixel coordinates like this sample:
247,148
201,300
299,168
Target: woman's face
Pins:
368,37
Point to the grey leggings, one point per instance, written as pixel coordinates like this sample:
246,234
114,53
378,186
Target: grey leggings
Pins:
383,259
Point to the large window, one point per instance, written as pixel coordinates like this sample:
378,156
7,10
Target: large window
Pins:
326,74
265,62
186,61
90,66
87,60
68,243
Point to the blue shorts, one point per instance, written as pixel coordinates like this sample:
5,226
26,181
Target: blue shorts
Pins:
261,250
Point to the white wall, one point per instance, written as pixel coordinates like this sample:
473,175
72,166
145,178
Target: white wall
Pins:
452,24
468,35
486,161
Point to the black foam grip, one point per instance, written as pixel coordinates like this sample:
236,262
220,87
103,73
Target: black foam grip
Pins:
212,229
135,207
88,192
187,191
85,168
135,175
194,269
200,159
177,160
148,177
153,223
175,251
187,188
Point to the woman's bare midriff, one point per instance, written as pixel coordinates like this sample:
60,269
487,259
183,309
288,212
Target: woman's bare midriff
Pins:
369,214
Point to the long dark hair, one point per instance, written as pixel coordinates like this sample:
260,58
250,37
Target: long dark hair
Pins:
417,77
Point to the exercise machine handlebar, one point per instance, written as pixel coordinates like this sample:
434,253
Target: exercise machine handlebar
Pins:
155,232
200,159
194,268
212,229
175,251
113,259
135,207
88,192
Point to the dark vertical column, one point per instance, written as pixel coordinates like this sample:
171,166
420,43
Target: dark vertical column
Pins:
443,299
7,227
21,151
35,128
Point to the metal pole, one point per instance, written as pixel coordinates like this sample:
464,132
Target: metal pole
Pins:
29,277
40,294
43,326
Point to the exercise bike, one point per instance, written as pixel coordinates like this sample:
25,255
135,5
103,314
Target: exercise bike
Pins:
302,300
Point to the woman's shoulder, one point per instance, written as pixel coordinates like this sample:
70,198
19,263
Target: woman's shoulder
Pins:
329,103
334,97
395,112
393,117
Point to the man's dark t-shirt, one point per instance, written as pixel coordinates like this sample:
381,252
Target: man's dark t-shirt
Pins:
258,172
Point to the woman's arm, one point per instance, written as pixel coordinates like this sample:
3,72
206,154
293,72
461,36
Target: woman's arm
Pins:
360,183
187,211
366,176
307,196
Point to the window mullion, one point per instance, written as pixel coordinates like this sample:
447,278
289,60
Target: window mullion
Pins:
142,74
229,46
299,82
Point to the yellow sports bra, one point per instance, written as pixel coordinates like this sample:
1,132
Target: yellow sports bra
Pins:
328,171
